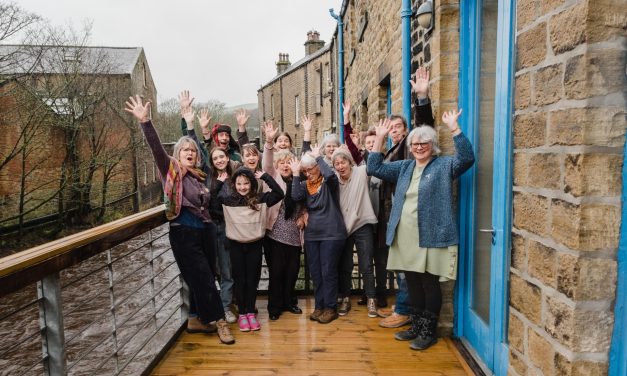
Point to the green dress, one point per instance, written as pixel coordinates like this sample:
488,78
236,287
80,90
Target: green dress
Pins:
406,254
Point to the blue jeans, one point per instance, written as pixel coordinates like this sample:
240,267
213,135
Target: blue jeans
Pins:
322,257
224,266
401,306
362,239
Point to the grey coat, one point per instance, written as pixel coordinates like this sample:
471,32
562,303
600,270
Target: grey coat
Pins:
437,225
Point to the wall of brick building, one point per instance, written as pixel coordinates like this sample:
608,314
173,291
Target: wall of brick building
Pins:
569,129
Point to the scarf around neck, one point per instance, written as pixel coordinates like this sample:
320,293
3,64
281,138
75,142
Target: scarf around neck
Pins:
173,187
314,186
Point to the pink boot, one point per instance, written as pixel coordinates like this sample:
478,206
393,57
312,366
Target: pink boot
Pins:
244,325
253,323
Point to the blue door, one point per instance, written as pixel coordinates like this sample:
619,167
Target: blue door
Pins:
486,68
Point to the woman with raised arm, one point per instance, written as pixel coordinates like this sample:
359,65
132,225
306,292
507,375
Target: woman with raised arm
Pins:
422,232
187,208
325,232
283,244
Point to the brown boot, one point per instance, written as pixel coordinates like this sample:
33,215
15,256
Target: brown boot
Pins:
328,315
315,315
224,332
194,325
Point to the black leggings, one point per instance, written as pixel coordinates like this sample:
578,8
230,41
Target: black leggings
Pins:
283,275
424,292
246,269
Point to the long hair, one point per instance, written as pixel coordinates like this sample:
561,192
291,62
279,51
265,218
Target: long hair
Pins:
252,199
214,170
286,135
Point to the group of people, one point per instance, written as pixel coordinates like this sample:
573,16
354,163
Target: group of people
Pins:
228,204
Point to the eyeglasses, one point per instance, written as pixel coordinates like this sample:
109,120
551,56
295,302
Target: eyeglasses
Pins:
308,170
422,145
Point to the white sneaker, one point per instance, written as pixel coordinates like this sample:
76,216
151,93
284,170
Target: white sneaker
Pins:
230,317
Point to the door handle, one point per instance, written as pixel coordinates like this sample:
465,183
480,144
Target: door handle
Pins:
492,233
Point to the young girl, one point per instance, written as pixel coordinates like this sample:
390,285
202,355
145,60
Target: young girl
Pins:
245,218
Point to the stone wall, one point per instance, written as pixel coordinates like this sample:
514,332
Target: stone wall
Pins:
569,129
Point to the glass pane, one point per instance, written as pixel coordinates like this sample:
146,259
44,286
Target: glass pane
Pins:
483,208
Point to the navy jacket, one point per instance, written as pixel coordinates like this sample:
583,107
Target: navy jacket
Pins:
437,226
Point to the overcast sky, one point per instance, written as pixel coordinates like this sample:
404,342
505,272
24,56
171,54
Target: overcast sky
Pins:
218,49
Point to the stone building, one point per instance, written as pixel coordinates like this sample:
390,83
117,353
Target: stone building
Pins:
46,94
542,263
304,87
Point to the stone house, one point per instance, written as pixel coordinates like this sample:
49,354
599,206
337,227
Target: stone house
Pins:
543,259
304,87
44,78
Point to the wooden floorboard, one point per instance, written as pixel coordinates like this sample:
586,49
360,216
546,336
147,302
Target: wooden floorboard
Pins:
293,345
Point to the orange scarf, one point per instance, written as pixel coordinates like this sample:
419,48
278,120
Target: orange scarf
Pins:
313,187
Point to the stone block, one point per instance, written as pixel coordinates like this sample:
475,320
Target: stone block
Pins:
526,12
595,73
447,17
593,331
587,126
568,274
565,223
517,364
531,47
516,334
522,91
593,174
541,352
548,5
542,263
548,85
568,367
519,253
567,29
529,130
559,321
520,169
586,279
526,298
531,213
600,226
608,21
544,171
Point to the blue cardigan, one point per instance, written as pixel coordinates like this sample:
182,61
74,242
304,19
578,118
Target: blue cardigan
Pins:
437,226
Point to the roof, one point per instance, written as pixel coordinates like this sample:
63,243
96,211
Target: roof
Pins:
297,64
20,59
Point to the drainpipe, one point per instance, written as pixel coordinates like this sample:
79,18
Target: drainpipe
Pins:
340,74
406,13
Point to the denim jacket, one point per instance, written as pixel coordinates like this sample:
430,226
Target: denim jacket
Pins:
437,225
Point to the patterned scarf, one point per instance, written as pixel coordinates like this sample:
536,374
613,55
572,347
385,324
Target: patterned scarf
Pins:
314,186
173,187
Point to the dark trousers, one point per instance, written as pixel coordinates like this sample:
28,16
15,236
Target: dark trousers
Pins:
246,267
362,240
424,292
322,257
380,270
194,252
283,275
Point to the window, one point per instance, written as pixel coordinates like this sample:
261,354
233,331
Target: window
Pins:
297,110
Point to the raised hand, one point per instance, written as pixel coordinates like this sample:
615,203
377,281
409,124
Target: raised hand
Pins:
347,111
294,166
204,119
223,176
135,106
188,115
242,118
383,128
420,85
270,131
450,119
315,151
258,174
184,100
306,122
355,139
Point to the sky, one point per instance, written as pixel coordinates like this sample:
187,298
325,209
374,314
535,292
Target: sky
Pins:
218,49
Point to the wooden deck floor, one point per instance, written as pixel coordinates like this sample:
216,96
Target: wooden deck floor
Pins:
294,345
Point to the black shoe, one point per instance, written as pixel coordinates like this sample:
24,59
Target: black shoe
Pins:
274,316
427,334
363,300
294,309
417,323
382,301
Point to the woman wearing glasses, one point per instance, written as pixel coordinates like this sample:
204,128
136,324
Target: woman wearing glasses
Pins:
422,231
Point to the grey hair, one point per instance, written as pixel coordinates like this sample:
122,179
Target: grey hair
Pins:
330,138
281,155
425,134
343,153
181,143
307,161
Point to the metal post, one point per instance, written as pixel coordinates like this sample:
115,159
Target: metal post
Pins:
51,324
340,69
406,14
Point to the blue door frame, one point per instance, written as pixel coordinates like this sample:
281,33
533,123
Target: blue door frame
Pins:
488,341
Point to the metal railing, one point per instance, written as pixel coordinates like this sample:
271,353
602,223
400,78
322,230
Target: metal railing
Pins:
109,300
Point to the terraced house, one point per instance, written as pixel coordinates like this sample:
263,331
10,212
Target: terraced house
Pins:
542,84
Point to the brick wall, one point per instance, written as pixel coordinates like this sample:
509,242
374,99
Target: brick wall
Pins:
569,129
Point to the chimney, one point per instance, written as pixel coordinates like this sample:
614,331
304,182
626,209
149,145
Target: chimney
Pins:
313,43
283,63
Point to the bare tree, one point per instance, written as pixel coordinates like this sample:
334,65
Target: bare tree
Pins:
168,122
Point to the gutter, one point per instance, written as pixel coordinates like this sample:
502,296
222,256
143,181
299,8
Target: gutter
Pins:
340,73
406,13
